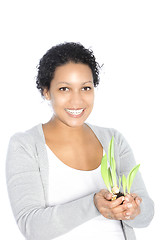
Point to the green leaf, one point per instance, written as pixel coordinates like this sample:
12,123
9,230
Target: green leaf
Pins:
105,173
112,147
110,177
131,177
109,153
119,183
114,176
124,184
112,161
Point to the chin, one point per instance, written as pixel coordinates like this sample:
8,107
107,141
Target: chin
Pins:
74,124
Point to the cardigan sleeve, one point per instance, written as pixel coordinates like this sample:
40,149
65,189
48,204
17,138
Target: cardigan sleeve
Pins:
35,220
126,163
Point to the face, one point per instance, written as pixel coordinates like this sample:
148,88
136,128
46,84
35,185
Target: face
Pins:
71,94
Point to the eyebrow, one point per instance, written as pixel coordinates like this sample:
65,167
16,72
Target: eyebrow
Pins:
63,83
87,82
70,84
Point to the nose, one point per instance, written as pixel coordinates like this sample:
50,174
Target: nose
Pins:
76,99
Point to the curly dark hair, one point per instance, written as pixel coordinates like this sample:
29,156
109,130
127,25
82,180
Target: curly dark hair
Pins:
60,55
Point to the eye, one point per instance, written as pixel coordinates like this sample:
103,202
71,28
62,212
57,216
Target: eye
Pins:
64,89
86,88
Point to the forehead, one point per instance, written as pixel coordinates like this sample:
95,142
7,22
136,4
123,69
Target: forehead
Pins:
73,71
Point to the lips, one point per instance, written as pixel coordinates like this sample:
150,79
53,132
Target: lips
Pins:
75,112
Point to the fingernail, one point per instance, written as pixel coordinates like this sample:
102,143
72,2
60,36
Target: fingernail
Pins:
127,199
138,201
129,205
127,213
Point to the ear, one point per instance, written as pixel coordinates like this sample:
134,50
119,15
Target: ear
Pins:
46,94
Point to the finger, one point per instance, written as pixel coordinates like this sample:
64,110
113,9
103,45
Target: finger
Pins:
108,196
117,213
121,216
130,214
127,207
107,213
119,209
130,208
135,196
133,211
110,208
138,200
116,203
105,194
128,198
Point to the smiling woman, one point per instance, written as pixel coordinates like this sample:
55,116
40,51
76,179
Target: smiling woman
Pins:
53,170
72,100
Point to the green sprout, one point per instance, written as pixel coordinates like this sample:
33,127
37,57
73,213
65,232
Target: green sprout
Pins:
108,172
124,184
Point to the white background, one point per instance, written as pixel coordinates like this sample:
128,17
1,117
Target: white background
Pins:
125,37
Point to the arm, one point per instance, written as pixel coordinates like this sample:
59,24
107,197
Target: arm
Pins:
127,162
36,220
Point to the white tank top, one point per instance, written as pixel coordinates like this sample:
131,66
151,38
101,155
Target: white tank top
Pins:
67,184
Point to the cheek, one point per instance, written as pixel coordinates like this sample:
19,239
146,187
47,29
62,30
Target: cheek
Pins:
58,101
90,99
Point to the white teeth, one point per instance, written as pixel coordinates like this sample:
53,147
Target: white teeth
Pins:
74,112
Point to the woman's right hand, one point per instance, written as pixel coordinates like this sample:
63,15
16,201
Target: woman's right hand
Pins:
111,209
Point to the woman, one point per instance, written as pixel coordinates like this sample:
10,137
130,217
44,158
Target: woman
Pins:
53,170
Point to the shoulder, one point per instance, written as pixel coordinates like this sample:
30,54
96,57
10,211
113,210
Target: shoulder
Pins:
105,134
27,138
22,152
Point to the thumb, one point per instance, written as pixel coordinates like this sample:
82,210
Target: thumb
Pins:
107,195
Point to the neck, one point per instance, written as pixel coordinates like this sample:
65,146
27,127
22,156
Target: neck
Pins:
65,130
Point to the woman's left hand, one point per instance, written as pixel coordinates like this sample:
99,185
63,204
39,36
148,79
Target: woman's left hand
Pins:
132,202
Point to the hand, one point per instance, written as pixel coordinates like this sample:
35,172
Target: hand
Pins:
133,201
115,209
110,209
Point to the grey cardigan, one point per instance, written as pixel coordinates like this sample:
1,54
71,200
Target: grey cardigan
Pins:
27,182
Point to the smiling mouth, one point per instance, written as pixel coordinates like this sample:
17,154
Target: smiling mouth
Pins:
75,112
